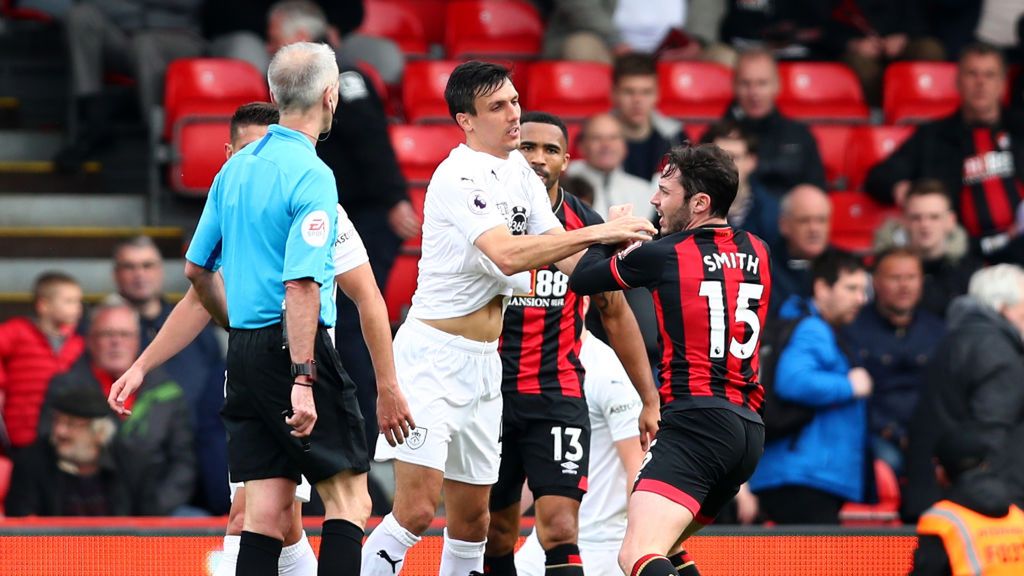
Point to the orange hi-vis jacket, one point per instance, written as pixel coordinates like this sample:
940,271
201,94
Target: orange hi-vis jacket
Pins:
977,545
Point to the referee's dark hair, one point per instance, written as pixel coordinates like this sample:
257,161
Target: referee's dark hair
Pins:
254,114
830,265
545,118
469,81
704,169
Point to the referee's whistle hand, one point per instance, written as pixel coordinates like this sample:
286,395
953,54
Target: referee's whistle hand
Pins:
303,411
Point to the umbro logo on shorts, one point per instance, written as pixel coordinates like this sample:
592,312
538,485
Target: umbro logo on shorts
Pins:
570,468
416,437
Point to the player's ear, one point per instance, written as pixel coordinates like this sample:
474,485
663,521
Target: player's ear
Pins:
462,119
227,150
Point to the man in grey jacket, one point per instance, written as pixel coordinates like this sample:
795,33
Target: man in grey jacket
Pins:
976,377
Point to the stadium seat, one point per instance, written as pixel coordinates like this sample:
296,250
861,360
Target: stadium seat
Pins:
400,287
223,81
10,10
695,131
694,90
421,148
417,195
423,90
914,92
833,145
855,217
397,21
571,90
507,28
870,145
822,91
886,511
430,13
574,129
198,150
5,481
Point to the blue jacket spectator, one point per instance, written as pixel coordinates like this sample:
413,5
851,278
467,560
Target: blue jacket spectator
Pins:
807,477
893,339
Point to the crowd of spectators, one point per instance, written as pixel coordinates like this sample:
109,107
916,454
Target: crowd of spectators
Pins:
896,346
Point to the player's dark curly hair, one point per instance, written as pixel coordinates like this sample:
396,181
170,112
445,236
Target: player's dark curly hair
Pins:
704,169
469,81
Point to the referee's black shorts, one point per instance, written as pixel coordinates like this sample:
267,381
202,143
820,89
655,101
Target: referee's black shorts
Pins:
259,386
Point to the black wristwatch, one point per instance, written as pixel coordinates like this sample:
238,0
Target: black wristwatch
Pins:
307,368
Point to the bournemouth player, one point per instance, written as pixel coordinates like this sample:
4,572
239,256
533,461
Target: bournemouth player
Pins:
711,286
487,217
545,434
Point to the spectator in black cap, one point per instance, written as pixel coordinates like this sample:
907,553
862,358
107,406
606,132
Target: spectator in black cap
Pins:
975,529
69,471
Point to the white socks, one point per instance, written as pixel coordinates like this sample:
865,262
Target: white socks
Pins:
296,560
460,558
384,551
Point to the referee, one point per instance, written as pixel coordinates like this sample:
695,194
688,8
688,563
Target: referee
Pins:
270,219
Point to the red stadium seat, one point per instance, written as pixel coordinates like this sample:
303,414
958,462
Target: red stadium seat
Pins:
823,91
430,13
509,28
9,10
398,21
918,91
400,287
5,481
423,90
694,90
869,145
421,148
886,511
833,145
208,80
855,217
695,131
571,90
574,129
417,195
198,148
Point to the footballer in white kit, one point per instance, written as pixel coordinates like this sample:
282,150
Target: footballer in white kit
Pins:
615,456
452,384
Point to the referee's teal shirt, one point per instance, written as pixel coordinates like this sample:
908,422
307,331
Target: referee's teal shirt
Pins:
270,217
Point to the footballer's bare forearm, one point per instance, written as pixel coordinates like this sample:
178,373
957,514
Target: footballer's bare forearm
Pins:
625,339
302,314
184,324
209,287
360,286
514,254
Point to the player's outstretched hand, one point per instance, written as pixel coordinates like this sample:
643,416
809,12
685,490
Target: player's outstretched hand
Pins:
125,386
393,417
625,229
303,411
650,415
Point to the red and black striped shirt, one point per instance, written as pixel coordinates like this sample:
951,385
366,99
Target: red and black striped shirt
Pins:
991,189
711,288
540,341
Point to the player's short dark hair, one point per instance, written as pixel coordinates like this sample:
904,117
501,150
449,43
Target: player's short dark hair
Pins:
545,118
469,81
254,114
894,252
832,264
928,187
982,49
47,282
729,130
634,64
705,169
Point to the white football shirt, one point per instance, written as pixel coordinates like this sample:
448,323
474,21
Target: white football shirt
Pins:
472,192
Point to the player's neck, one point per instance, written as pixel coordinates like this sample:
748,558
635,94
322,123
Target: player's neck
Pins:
476,146
706,221
553,195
